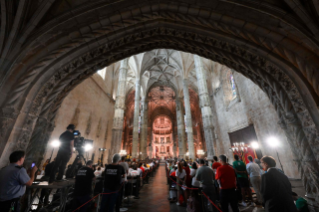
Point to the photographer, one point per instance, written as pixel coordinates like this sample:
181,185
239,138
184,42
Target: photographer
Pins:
13,181
64,153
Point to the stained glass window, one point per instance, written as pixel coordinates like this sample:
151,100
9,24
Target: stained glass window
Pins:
233,86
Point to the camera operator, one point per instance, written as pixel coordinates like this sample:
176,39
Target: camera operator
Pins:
13,181
64,153
83,186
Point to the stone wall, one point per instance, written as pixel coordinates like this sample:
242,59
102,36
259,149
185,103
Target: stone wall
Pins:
251,107
90,107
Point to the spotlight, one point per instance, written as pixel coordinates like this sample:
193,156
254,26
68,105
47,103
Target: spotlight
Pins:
88,147
273,141
254,145
55,143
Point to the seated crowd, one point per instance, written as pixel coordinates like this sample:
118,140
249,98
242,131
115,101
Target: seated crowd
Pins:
121,178
231,185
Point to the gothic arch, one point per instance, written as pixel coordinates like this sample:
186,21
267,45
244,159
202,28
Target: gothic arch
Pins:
278,64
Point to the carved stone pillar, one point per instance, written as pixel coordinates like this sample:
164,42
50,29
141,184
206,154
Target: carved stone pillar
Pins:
144,130
150,147
136,117
180,128
35,150
173,139
204,103
119,110
189,123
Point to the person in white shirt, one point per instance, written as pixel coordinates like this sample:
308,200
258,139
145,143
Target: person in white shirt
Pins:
261,168
98,172
195,183
132,172
253,171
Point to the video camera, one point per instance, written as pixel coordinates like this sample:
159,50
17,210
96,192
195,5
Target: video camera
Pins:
80,143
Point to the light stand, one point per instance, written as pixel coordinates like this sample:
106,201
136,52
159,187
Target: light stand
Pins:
280,162
273,142
102,150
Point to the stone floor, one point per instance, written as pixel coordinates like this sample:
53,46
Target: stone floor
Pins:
153,197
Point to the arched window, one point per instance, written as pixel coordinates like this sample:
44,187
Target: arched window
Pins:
231,94
232,86
102,73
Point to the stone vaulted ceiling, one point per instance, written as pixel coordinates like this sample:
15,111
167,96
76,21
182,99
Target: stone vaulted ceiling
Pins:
162,96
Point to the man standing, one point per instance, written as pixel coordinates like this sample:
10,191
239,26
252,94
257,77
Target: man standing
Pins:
216,164
253,171
13,181
225,175
242,179
64,153
275,188
205,175
83,186
124,179
112,184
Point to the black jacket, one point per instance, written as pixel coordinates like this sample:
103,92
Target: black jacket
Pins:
276,192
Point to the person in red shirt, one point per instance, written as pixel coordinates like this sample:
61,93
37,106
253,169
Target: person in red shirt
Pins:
173,174
216,164
188,178
225,175
142,168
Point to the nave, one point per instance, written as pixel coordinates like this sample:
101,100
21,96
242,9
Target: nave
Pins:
153,196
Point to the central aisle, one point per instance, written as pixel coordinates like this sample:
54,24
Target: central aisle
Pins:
153,196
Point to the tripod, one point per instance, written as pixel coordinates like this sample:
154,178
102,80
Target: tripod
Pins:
79,158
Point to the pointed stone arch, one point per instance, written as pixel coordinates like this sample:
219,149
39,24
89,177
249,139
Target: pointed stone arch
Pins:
277,64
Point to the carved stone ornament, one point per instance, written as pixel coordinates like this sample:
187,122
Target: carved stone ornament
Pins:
106,131
75,118
88,125
99,127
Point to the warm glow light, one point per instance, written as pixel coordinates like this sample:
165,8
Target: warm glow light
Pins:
88,147
200,152
273,141
123,152
187,153
55,143
254,145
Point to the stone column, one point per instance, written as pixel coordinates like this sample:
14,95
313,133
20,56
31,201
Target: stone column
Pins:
204,103
144,130
136,117
173,136
150,149
118,119
180,128
189,123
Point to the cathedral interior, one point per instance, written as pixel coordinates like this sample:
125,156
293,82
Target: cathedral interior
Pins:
163,79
